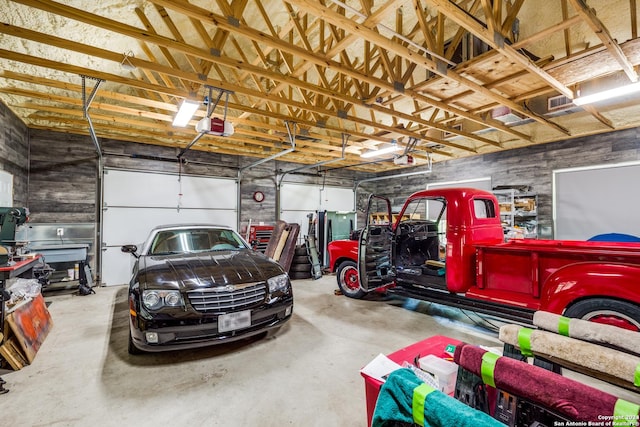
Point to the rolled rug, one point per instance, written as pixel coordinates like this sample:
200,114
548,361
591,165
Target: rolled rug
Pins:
589,331
605,363
562,395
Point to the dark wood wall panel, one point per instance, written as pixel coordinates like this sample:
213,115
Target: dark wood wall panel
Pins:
14,153
532,166
64,167
62,178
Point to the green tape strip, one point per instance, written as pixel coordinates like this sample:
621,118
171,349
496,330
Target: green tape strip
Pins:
524,341
488,367
420,394
563,326
625,413
636,377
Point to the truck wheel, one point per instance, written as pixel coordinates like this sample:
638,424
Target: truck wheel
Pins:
347,276
609,311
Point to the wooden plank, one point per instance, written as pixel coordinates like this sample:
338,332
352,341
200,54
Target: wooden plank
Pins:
11,353
288,252
283,240
30,323
275,239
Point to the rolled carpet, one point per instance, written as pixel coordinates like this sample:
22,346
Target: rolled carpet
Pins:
405,398
589,331
572,399
605,363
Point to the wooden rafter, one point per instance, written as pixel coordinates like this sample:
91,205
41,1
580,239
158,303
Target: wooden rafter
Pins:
603,34
365,67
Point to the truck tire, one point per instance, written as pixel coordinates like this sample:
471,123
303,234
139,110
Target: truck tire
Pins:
610,311
348,282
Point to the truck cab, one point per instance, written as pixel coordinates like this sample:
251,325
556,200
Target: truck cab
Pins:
432,241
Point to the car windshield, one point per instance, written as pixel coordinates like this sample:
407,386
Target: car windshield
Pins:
195,240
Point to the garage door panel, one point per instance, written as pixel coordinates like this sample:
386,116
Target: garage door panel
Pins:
589,201
127,188
198,192
117,266
299,197
336,199
138,222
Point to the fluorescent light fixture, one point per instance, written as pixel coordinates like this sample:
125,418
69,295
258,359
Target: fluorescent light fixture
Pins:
608,94
381,151
185,112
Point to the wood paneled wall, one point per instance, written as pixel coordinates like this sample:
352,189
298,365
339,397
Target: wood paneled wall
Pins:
64,178
532,166
14,153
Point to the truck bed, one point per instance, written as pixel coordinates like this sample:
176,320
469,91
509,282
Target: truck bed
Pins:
520,267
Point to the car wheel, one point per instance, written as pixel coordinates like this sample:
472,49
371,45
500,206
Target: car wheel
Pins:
132,348
609,311
301,259
347,277
296,275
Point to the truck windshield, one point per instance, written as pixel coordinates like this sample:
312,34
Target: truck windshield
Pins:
431,209
421,238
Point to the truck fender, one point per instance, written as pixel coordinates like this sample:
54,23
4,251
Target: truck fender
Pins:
342,250
590,280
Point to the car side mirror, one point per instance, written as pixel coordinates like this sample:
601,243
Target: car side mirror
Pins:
132,249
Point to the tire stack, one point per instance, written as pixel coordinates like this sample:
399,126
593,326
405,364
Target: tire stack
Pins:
300,267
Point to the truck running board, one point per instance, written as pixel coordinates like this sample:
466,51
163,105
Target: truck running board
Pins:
510,313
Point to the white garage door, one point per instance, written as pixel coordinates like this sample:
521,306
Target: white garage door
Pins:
298,200
596,200
137,201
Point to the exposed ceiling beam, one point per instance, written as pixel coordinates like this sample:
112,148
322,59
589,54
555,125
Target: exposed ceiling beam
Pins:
603,34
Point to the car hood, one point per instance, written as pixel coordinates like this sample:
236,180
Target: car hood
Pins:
206,269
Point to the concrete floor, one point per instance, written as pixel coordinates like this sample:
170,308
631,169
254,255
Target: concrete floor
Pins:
307,375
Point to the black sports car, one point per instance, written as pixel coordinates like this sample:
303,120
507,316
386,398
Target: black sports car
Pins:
197,285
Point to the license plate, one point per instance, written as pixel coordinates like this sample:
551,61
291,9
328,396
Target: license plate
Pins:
234,321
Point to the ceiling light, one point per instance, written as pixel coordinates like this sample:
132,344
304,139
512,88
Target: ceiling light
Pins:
608,94
390,149
185,112
126,63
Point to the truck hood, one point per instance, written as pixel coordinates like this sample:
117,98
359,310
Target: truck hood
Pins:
206,269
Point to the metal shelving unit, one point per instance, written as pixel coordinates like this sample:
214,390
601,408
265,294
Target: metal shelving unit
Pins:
519,213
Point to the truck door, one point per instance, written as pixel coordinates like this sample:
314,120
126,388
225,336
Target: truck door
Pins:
375,266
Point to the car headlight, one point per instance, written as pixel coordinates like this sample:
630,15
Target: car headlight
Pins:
155,299
278,283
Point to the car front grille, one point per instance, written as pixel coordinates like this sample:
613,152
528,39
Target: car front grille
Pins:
227,298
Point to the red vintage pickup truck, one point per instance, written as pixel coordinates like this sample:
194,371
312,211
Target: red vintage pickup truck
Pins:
447,246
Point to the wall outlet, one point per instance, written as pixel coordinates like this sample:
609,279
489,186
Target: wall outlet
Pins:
60,232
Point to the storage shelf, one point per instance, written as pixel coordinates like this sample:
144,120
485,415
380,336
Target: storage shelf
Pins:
518,213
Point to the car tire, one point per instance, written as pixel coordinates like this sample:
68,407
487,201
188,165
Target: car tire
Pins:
299,259
619,313
347,277
296,275
300,267
132,349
